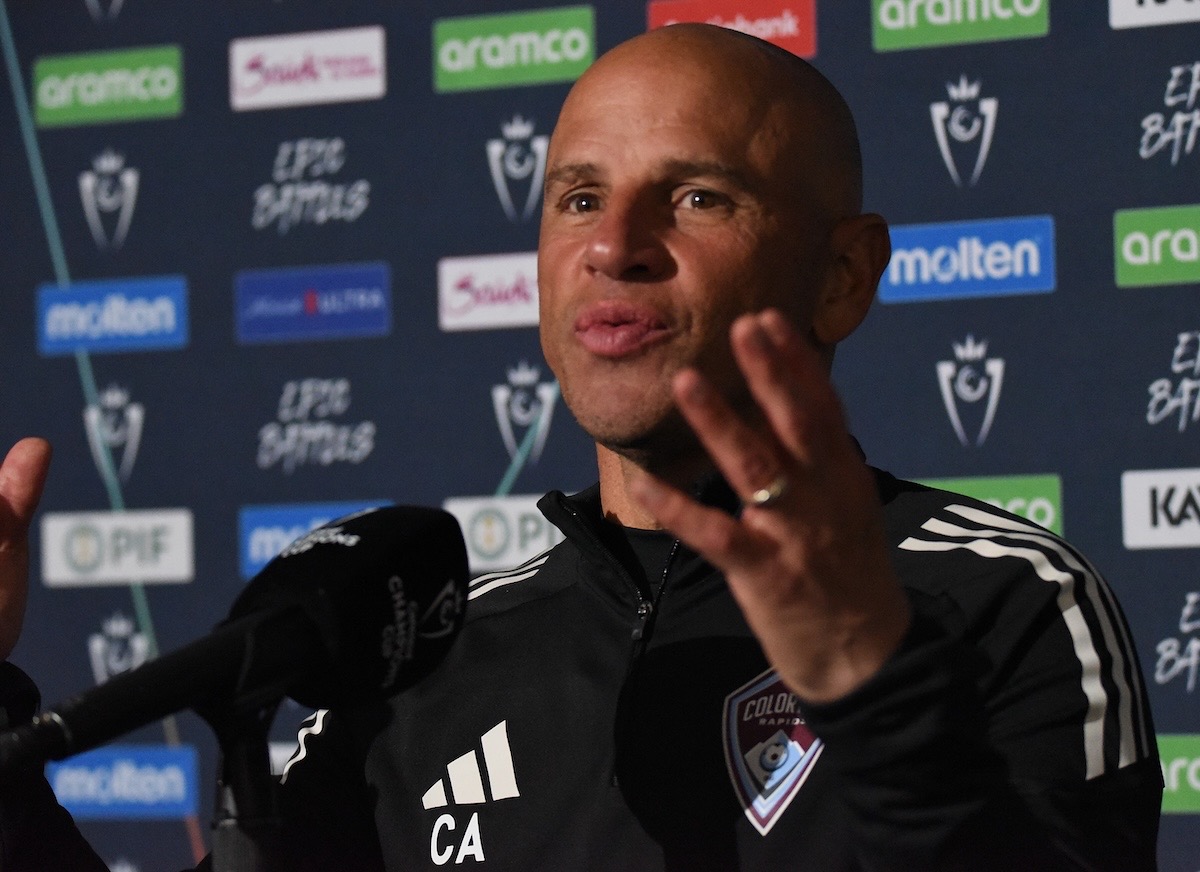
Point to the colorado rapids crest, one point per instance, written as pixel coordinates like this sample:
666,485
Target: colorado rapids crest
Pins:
769,750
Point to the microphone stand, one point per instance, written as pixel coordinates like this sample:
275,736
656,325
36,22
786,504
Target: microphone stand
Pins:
247,825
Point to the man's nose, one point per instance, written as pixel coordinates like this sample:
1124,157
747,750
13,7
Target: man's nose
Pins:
626,243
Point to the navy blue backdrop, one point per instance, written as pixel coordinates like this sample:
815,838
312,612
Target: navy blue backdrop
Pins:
266,262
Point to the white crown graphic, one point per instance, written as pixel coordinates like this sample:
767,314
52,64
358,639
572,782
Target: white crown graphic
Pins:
466,778
118,627
108,162
964,90
523,376
113,397
518,128
970,349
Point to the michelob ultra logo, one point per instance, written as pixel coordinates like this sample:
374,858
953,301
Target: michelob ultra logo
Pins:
1037,498
516,48
994,257
900,24
1179,756
96,87
1157,246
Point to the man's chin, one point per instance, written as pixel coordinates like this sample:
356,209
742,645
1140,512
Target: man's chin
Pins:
667,446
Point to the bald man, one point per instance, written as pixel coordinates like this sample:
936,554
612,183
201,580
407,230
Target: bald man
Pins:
752,651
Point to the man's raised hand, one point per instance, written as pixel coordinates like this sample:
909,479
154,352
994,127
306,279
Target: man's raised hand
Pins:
807,560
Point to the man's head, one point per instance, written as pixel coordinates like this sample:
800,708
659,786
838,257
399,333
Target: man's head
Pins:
695,174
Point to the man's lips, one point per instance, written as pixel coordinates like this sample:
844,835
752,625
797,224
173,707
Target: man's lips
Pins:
618,329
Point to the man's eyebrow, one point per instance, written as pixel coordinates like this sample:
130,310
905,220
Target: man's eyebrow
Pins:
671,169
568,173
693,168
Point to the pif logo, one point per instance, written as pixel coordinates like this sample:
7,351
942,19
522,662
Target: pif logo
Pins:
1037,498
1179,756
516,48
502,531
108,86
1157,246
901,24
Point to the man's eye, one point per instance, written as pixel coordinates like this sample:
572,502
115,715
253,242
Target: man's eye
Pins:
701,199
582,203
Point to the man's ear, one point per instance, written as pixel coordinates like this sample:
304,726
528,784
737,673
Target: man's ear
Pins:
860,249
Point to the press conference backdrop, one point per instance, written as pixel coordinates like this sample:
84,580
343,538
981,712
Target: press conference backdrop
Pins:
268,262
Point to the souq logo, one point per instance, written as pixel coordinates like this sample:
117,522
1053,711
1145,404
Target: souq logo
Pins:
108,86
488,291
265,531
1179,756
130,781
901,24
1157,246
321,302
113,315
306,69
517,48
789,24
989,258
1145,13
1037,498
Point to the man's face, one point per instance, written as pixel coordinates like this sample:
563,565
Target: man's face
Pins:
675,201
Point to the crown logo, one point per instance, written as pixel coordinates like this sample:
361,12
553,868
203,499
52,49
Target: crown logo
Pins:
523,376
518,128
113,397
964,90
118,627
970,349
108,162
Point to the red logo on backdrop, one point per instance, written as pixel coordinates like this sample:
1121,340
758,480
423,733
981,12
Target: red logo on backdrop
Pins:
769,750
789,24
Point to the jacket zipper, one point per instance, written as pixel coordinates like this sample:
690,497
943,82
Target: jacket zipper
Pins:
647,602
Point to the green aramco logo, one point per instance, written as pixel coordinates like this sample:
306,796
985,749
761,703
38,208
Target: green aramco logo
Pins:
1157,246
96,87
516,48
900,24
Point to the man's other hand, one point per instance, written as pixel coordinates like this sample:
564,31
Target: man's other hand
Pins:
22,476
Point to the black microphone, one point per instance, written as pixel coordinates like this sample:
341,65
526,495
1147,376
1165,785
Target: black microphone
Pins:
349,613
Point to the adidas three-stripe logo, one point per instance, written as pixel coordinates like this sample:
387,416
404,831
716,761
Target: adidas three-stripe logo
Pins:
466,777
1111,685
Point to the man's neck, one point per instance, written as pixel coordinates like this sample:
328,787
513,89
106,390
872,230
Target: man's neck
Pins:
617,471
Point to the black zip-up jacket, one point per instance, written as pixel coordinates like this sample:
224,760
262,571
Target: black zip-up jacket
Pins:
598,714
